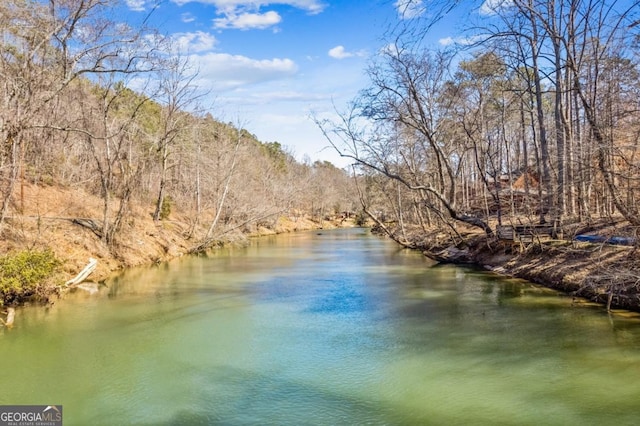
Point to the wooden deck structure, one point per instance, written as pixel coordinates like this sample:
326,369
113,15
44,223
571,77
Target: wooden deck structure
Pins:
528,233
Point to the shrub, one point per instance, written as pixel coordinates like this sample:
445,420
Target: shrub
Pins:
23,272
361,219
165,209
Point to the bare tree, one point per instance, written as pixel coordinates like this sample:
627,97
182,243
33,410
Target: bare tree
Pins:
177,95
406,141
47,47
570,45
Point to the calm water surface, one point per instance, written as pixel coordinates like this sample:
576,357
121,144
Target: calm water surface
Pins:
337,328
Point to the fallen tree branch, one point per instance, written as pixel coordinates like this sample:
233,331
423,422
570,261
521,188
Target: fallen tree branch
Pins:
11,316
89,224
91,266
209,242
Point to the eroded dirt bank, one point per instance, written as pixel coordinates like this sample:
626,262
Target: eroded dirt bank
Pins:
599,272
48,220
603,273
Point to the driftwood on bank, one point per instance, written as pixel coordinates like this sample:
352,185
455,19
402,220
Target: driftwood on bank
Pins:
91,266
11,317
451,254
90,224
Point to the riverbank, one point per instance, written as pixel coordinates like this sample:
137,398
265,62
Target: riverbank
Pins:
47,224
602,273
599,272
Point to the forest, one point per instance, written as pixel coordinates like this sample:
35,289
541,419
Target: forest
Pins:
531,117
110,113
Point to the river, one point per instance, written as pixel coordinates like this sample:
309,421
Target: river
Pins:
331,327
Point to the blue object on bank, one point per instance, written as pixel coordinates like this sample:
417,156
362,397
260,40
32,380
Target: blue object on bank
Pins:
621,241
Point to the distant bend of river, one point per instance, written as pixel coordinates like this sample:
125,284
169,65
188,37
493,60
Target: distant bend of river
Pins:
322,328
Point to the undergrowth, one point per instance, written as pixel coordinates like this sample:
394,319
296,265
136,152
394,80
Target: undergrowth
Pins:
25,273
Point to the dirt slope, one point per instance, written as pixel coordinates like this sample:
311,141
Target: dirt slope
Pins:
46,221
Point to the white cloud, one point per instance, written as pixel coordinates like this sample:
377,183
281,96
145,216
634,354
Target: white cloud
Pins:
245,21
311,6
460,41
136,5
195,42
409,9
339,52
447,41
247,14
187,18
222,71
491,7
269,97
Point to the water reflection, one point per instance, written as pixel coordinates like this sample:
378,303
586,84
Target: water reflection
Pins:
337,328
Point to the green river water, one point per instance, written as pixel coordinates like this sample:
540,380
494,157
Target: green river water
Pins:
322,328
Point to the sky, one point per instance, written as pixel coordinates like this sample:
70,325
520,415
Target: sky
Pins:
268,66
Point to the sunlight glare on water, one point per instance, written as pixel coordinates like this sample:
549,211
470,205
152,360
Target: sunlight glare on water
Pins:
331,327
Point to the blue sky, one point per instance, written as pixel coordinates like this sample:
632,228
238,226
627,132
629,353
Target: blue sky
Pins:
270,64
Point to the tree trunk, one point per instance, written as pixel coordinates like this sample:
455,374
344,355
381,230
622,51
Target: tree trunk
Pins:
163,182
13,146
